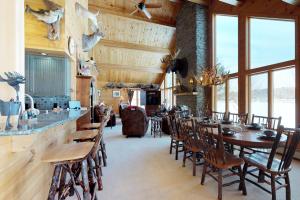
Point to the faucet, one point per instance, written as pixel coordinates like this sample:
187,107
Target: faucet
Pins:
32,111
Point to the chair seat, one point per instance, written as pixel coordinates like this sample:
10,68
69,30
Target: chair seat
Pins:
85,134
180,139
68,152
230,161
90,126
260,160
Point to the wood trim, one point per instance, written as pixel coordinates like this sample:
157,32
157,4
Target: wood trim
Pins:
140,47
126,13
270,94
273,67
297,71
151,69
242,60
227,96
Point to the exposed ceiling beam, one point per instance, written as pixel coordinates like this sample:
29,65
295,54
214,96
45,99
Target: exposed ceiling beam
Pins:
293,2
126,13
233,2
140,47
151,69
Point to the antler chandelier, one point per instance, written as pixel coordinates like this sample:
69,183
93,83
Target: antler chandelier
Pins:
210,76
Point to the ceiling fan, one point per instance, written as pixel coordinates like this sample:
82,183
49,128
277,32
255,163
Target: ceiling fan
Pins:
142,6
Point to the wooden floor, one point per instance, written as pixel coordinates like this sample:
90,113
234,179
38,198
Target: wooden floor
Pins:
142,169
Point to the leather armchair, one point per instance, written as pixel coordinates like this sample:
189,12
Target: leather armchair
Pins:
135,122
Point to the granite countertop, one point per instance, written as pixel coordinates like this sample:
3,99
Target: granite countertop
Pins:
42,123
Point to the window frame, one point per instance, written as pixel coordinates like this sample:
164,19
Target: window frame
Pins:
245,72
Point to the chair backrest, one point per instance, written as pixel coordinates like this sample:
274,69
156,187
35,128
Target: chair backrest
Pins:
237,117
213,145
172,125
218,115
270,122
289,149
187,131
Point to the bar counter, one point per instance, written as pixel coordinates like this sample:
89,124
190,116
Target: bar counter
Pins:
22,174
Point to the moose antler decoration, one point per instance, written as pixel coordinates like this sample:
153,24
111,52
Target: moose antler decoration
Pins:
13,79
172,56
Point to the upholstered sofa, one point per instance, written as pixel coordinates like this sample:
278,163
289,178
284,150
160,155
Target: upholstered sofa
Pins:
135,121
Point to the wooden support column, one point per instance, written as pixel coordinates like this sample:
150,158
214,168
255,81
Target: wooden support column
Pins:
297,71
243,63
211,48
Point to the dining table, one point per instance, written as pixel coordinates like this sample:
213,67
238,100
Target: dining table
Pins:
244,137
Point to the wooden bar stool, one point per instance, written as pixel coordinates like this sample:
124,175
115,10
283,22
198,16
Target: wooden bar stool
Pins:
95,136
90,135
90,126
66,158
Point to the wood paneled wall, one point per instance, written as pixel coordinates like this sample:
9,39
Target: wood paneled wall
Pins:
108,99
22,173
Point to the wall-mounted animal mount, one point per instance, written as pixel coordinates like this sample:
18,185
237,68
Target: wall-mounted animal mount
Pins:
51,17
89,40
174,64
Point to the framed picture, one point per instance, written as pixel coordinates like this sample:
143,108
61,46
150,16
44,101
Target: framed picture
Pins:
116,93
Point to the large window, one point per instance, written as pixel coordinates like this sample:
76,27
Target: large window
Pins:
167,88
259,94
284,96
271,41
220,98
233,95
270,79
227,42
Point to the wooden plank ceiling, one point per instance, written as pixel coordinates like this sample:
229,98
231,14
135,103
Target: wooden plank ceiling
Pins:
133,45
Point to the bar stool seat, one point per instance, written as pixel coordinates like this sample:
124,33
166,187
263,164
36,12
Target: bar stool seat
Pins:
90,126
68,152
85,135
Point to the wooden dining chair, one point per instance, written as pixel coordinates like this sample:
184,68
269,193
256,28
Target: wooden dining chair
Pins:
176,138
274,168
217,159
191,146
270,122
218,115
238,117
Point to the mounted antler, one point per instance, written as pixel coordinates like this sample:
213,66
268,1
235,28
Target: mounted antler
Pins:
13,79
172,56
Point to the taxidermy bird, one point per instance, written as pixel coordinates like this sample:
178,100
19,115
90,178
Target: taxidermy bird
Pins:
142,6
51,17
13,79
83,12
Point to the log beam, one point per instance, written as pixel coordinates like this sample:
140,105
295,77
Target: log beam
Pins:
151,69
140,47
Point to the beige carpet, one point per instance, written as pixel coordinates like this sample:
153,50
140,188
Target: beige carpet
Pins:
143,169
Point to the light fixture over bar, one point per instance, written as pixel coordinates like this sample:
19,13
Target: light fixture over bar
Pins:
233,2
292,2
